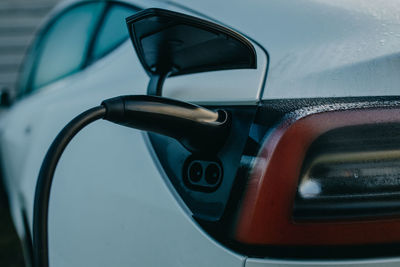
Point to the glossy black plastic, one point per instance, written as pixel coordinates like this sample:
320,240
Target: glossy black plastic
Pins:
197,128
202,174
206,201
170,43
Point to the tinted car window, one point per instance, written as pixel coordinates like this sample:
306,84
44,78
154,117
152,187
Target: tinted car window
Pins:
113,31
77,37
63,48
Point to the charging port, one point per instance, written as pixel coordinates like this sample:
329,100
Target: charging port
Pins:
202,174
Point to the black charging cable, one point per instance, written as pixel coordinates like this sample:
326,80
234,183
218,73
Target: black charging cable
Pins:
43,185
197,128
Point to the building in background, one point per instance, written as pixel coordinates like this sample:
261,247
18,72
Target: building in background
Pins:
19,20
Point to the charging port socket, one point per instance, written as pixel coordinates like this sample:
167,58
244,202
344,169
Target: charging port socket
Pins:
202,174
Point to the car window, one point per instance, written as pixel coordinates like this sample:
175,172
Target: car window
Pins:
113,31
63,47
74,39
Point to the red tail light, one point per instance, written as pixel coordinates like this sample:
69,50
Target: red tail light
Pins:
271,214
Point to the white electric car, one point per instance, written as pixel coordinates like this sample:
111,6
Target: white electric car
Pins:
308,176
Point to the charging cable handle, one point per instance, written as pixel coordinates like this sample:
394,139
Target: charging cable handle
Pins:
198,129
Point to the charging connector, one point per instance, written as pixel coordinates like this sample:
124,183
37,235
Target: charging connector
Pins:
198,129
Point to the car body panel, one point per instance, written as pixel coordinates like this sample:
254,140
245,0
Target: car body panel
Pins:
319,48
228,87
337,263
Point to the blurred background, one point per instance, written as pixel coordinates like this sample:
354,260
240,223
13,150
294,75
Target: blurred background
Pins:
18,23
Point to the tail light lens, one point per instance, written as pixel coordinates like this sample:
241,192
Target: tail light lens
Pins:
325,178
351,173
